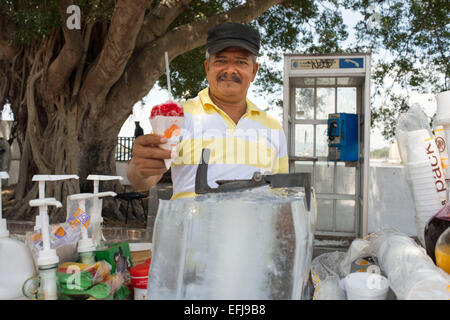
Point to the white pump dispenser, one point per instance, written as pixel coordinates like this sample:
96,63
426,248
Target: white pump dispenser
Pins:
96,217
47,259
87,244
3,227
47,255
96,178
42,178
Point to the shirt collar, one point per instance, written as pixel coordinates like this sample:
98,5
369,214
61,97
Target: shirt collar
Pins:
206,101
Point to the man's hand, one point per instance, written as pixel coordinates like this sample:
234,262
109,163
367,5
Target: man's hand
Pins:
148,156
147,166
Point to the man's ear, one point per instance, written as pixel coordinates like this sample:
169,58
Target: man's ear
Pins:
255,70
206,67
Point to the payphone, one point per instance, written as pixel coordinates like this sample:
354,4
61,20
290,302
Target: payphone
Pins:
342,137
326,119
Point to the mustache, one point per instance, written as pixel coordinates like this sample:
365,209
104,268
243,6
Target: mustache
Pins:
233,77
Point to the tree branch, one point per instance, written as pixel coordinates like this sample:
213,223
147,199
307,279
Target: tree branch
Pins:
125,25
3,84
67,59
8,50
139,78
156,22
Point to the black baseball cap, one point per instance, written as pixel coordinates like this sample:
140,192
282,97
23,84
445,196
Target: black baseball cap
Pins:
232,34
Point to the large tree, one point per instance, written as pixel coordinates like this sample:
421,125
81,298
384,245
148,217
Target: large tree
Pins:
71,89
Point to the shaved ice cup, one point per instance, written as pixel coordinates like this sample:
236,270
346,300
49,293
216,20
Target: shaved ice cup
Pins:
169,127
167,120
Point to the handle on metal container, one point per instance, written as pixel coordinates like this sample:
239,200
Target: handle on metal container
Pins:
30,288
201,177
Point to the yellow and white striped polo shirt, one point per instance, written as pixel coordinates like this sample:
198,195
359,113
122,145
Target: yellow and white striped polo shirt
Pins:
256,143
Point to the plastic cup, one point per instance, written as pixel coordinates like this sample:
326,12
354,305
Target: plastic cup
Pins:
418,164
425,187
423,179
425,216
366,286
422,172
416,145
442,108
425,176
423,204
425,195
422,208
426,213
432,203
427,191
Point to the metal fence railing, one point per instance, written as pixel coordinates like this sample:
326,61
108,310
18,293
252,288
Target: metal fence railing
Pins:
124,148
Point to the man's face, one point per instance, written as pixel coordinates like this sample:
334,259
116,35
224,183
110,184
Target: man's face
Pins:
230,72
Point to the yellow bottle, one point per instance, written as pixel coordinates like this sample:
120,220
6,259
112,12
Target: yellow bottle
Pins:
442,251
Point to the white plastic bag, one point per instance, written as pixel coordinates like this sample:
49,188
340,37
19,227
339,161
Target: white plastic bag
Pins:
410,271
326,277
359,248
64,238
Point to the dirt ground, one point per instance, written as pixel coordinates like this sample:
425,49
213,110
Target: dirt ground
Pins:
8,202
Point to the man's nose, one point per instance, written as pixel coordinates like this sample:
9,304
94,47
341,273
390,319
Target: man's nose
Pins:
230,68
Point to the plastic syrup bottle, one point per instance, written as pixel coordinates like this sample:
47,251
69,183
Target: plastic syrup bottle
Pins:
443,251
16,262
48,259
435,228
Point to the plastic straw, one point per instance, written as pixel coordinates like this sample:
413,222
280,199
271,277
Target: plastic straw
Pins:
166,54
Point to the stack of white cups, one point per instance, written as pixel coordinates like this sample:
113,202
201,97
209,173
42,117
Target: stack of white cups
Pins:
426,176
442,121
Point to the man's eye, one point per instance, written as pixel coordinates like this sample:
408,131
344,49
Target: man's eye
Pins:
242,62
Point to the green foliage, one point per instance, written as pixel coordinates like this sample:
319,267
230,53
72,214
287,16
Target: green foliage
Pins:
37,18
33,18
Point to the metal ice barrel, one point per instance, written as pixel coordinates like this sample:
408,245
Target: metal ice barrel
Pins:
252,244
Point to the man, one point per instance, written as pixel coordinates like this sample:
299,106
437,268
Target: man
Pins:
138,131
242,138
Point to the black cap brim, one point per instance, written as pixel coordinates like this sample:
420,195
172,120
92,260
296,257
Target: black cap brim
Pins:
226,43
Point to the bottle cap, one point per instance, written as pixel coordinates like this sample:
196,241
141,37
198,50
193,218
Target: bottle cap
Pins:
86,245
47,257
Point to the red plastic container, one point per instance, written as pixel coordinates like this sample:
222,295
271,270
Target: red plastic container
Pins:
139,279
